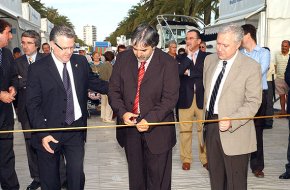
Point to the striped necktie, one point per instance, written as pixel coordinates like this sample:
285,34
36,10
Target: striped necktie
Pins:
141,73
215,90
30,60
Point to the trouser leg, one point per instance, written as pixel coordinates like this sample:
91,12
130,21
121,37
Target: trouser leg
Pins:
136,163
257,157
8,177
48,165
73,150
185,134
159,167
201,149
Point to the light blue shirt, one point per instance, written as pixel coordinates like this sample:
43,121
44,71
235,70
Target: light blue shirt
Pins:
262,56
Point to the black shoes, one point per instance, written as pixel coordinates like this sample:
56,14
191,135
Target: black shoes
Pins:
33,186
284,176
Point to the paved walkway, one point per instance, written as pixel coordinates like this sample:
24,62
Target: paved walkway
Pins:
106,167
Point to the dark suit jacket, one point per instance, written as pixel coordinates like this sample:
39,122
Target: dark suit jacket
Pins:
287,80
22,69
8,77
158,97
186,90
46,96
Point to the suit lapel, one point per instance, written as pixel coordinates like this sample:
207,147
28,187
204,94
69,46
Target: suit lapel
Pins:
25,62
198,58
210,72
134,65
76,74
152,67
233,73
38,56
54,72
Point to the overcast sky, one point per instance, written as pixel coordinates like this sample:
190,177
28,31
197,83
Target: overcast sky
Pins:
104,14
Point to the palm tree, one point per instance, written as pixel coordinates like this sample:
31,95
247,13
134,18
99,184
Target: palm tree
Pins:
50,13
37,5
147,10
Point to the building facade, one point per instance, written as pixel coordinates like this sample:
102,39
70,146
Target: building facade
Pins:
89,34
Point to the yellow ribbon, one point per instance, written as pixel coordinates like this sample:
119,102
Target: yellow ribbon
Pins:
150,124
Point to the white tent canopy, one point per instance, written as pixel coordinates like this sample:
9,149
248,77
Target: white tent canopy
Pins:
271,17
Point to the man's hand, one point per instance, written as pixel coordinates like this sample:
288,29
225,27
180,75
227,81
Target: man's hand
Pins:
225,125
12,91
6,97
130,118
142,126
45,143
186,72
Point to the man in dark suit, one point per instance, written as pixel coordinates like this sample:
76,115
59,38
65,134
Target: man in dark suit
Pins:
286,174
141,96
30,41
57,89
190,102
8,85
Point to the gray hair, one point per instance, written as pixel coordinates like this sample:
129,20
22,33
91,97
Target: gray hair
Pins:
32,34
172,42
234,29
61,31
145,35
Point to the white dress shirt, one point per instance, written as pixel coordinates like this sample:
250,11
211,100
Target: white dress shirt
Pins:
59,66
214,78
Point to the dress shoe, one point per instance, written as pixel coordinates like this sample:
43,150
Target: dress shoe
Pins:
33,185
284,176
186,166
258,173
205,166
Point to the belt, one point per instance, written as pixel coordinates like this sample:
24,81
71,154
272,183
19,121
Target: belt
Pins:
213,117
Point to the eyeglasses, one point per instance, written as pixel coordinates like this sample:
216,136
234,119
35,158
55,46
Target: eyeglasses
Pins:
64,48
202,47
28,43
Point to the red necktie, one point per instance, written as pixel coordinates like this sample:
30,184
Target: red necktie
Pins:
141,73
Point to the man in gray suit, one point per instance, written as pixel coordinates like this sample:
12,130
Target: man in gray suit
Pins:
233,89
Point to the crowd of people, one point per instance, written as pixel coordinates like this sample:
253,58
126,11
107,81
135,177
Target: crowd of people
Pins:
141,85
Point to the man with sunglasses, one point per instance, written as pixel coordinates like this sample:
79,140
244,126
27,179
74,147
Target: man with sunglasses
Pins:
57,90
202,46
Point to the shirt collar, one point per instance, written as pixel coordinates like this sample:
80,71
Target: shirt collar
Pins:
33,56
231,60
256,48
57,61
148,60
